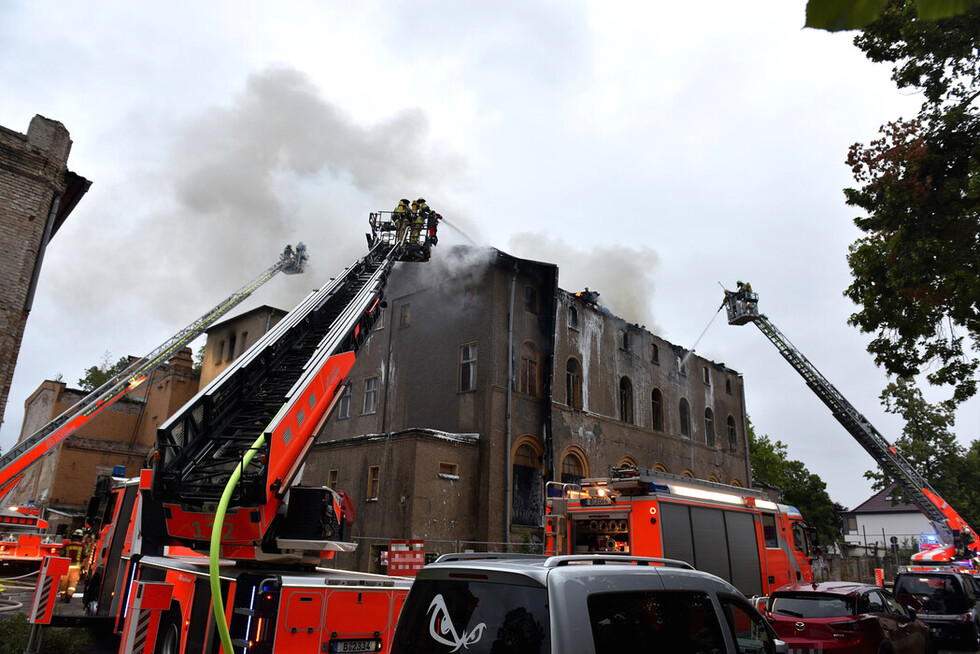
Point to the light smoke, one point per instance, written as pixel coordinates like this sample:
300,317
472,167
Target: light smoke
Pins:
623,276
278,164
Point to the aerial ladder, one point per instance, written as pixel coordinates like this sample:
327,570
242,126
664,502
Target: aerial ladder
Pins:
742,306
29,451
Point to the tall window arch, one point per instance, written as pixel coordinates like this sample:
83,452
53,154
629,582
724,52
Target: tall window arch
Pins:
574,466
709,427
527,503
626,400
626,462
659,467
684,411
573,383
732,434
688,473
657,406
528,383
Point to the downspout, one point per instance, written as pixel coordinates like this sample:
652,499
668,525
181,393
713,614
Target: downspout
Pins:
508,472
48,228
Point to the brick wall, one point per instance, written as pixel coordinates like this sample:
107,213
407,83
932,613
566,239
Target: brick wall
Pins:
32,174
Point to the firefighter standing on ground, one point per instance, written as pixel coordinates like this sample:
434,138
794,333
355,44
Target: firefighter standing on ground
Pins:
73,550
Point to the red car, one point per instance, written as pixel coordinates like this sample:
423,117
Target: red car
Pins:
845,616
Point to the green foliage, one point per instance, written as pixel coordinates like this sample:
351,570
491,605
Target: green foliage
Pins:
95,376
916,270
800,488
14,632
836,15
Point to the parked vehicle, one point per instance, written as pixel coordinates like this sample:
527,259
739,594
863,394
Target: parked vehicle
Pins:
483,603
946,600
844,616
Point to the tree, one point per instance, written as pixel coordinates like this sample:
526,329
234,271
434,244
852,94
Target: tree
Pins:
96,376
835,15
916,271
800,488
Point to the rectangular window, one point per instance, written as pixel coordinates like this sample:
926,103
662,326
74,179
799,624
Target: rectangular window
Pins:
333,476
370,396
573,317
769,530
379,323
655,353
448,470
405,315
531,299
373,482
244,342
706,374
467,368
231,347
681,366
852,524
219,352
343,407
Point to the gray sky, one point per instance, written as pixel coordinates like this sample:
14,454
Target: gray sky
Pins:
648,149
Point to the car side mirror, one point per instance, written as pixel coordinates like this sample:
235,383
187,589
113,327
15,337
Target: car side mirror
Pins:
913,614
781,646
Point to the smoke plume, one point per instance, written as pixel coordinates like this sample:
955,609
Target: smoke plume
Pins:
622,275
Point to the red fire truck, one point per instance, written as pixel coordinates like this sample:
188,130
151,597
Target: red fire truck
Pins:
732,532
233,457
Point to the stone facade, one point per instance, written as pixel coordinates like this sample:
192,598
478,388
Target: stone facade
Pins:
37,192
228,339
504,382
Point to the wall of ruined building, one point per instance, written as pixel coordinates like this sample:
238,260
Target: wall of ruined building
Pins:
469,301
122,434
413,499
32,172
597,343
227,340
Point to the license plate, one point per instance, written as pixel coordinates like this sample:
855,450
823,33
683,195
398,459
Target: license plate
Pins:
361,645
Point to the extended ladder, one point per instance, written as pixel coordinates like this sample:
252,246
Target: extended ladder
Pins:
742,307
29,450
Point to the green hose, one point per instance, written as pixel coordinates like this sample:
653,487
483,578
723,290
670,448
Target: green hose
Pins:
219,520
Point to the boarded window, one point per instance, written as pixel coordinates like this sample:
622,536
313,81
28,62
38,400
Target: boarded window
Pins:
528,382
373,482
527,484
657,407
573,384
626,400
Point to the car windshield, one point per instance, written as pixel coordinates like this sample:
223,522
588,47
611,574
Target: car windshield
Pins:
811,605
931,593
478,617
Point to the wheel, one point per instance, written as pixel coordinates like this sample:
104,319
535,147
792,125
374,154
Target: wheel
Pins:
886,648
168,637
930,647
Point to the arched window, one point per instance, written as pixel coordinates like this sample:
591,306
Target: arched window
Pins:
528,383
527,505
626,400
657,404
732,434
659,467
685,415
687,473
713,478
573,384
709,427
626,462
735,482
574,466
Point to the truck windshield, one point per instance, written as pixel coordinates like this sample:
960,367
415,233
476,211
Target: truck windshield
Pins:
478,617
677,622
